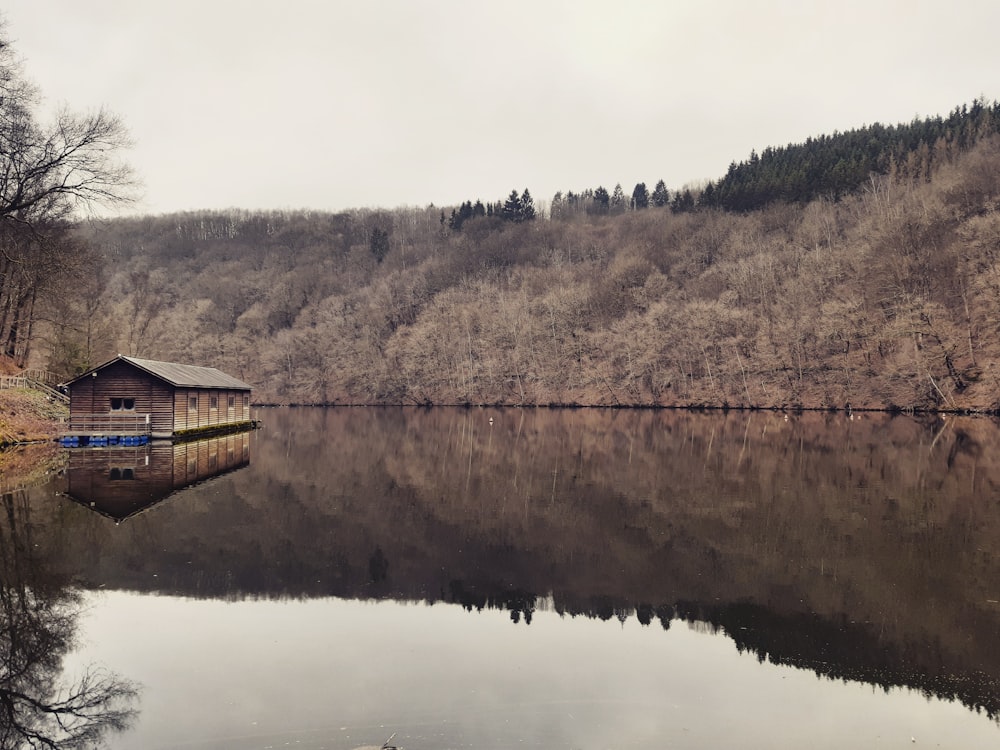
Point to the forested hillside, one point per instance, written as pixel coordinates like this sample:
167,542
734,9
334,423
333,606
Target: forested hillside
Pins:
836,165
880,294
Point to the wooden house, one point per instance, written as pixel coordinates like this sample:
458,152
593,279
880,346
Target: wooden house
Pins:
128,397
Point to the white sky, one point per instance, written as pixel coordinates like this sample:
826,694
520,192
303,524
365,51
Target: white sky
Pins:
329,104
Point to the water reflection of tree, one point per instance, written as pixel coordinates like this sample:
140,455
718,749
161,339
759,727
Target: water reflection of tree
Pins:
836,650
520,604
38,617
840,651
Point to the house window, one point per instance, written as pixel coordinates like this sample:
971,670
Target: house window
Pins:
122,404
193,403
232,401
213,402
246,400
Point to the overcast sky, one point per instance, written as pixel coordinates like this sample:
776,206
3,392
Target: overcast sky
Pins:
331,104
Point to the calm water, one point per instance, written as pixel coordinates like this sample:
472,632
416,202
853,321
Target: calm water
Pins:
547,579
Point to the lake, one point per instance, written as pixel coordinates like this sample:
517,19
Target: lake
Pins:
505,578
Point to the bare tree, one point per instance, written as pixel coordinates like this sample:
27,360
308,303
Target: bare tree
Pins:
47,172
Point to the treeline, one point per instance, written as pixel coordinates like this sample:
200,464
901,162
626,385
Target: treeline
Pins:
833,166
517,208
829,166
599,202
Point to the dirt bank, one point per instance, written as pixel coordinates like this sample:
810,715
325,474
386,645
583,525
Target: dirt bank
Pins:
28,416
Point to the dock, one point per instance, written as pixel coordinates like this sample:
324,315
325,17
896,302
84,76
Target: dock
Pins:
96,430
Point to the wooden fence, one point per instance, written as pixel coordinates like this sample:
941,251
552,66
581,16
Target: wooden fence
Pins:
41,376
39,380
110,424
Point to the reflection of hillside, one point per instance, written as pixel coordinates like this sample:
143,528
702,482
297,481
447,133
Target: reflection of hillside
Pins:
879,533
843,650
29,465
119,482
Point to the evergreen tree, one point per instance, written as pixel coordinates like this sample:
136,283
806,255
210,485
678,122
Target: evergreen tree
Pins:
640,197
661,197
527,207
464,213
512,207
518,208
708,198
683,201
468,210
602,200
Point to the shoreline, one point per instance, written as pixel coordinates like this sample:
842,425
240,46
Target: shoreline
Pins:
696,407
29,418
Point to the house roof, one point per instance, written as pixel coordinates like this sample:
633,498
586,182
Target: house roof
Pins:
189,376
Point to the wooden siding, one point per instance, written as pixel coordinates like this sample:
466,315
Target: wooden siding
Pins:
92,395
204,415
167,405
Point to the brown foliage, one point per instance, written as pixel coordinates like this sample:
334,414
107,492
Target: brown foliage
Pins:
888,298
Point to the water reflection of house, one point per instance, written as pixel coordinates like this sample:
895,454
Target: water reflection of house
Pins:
128,398
119,482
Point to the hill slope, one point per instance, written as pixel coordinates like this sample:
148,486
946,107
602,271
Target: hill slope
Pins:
885,298
27,416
